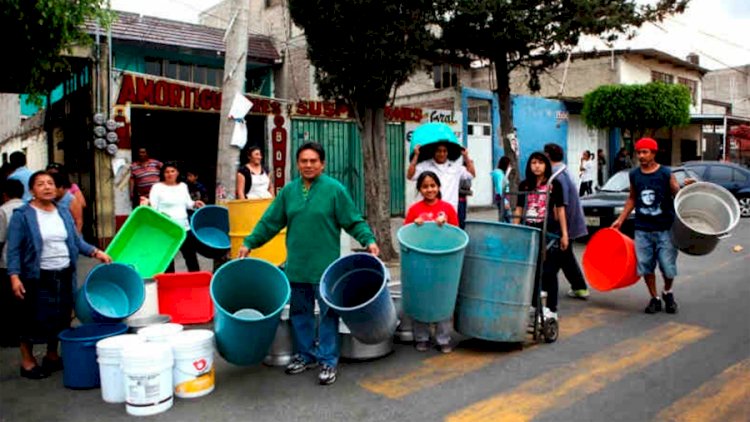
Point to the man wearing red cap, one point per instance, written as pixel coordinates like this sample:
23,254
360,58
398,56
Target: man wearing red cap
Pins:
652,190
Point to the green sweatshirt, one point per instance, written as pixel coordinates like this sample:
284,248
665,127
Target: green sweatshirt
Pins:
314,222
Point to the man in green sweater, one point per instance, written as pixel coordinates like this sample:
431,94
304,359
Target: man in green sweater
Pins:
314,208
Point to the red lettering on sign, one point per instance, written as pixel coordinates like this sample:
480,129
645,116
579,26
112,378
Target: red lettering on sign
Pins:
175,95
161,93
127,90
144,91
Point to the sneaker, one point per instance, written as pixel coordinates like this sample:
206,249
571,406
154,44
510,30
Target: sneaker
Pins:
422,346
446,348
548,314
327,375
299,365
670,306
579,294
654,306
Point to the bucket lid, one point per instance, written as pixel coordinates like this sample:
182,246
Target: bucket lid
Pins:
249,314
191,338
160,330
113,344
147,353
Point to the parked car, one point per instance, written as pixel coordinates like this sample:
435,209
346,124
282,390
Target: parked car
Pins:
733,177
603,207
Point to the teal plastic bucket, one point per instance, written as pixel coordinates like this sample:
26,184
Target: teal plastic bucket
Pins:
431,261
497,281
111,293
78,346
210,226
247,284
356,287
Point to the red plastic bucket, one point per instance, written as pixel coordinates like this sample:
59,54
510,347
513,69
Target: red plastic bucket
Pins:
185,297
609,261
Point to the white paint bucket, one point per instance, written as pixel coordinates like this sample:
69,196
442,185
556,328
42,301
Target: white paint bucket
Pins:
160,333
193,373
147,378
109,357
150,307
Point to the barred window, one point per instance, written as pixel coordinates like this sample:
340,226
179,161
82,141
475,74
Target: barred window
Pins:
662,77
692,86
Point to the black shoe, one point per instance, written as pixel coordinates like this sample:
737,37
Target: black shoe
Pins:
35,373
670,306
654,306
299,365
51,365
327,375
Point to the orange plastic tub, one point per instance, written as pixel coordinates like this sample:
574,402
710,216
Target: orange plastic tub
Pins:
185,297
609,261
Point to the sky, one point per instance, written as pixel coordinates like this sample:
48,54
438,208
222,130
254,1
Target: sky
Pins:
717,30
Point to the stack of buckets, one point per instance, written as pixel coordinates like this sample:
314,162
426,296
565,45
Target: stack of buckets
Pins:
146,370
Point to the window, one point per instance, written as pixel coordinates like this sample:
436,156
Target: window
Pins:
479,114
661,77
200,74
445,75
721,174
739,176
187,72
701,170
692,86
154,66
171,71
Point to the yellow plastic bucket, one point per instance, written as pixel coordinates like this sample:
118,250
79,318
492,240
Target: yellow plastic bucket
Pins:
244,214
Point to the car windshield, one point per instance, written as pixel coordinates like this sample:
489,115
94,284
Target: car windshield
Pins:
618,183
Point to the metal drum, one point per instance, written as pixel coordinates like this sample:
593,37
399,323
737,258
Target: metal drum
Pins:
282,348
705,213
497,281
353,349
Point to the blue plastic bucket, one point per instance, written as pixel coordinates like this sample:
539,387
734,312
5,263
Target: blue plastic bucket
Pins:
356,287
431,261
111,293
247,284
80,368
497,281
210,226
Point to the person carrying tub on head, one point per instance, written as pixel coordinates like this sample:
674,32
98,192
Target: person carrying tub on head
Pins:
431,208
543,200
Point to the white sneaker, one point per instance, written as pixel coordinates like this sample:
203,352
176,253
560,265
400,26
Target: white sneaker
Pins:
549,314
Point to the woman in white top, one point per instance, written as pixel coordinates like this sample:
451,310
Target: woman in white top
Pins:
588,173
171,197
253,181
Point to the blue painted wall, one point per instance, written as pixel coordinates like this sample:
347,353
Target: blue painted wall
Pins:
538,122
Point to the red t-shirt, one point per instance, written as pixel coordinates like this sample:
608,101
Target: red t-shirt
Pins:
431,212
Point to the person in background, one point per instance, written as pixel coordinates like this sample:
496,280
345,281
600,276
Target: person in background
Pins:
12,193
171,197
588,170
314,208
431,208
43,248
450,172
601,165
574,218
195,188
75,190
500,186
144,173
652,191
253,181
66,200
544,199
622,161
19,171
464,191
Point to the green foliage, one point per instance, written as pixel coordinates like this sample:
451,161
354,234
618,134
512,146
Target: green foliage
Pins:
363,49
638,108
37,34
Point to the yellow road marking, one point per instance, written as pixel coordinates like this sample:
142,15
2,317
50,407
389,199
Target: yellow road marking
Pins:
439,369
724,398
563,386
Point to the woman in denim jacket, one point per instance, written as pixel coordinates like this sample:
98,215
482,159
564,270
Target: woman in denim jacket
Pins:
43,247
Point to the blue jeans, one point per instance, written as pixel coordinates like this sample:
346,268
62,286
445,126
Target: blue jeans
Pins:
653,247
461,213
302,317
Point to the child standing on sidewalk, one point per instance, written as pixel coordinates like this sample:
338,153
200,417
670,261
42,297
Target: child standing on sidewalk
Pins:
544,200
431,208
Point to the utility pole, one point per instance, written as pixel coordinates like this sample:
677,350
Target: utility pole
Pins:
235,65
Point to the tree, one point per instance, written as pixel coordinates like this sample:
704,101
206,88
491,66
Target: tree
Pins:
38,34
362,51
639,109
536,35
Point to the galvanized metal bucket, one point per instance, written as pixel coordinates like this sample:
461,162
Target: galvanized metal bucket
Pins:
705,213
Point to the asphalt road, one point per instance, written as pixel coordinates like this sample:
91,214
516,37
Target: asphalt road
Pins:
611,363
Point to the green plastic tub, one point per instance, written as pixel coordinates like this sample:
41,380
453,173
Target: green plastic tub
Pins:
149,241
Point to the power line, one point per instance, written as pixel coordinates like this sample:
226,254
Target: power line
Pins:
708,34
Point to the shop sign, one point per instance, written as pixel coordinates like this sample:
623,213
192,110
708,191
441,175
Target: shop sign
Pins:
450,118
278,149
333,110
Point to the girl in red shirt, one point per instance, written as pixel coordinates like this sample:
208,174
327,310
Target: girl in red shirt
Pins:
431,208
